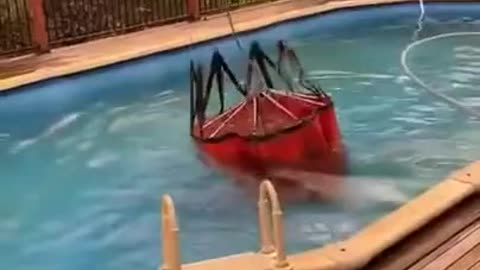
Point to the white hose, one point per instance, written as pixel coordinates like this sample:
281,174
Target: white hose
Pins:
422,9
420,20
409,72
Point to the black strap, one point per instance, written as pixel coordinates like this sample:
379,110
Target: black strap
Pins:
259,56
232,78
289,54
200,95
193,80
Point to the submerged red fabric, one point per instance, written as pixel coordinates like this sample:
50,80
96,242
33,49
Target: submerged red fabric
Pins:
295,131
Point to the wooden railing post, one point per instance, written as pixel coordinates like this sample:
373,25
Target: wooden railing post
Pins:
193,10
38,26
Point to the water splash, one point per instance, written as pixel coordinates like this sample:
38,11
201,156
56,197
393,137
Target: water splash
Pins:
353,191
56,127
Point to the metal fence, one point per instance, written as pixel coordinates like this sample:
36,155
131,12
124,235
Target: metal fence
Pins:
214,6
73,21
32,24
15,34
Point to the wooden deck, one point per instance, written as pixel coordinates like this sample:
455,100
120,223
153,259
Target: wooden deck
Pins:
449,242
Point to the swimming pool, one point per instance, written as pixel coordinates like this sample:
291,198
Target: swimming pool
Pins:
84,159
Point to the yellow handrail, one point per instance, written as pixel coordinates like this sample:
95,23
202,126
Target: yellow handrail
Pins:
265,225
170,232
271,217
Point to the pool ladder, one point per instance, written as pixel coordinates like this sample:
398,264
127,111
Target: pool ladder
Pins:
271,255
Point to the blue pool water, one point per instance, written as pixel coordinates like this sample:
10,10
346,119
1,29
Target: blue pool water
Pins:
85,159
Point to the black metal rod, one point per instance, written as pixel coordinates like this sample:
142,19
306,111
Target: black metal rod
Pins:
193,81
232,78
221,91
200,106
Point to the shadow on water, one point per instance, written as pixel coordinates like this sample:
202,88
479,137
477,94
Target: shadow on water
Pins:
380,183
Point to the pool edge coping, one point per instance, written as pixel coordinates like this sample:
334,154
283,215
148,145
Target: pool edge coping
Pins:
359,250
